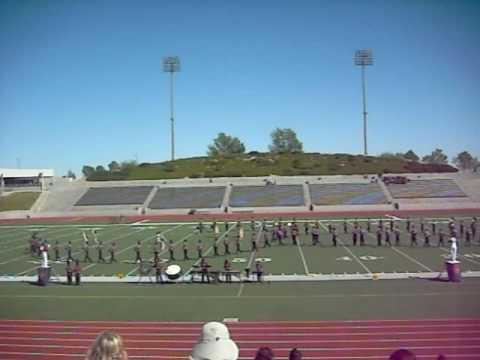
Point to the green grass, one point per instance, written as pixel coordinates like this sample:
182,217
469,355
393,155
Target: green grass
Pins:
345,300
18,200
264,164
361,299
286,259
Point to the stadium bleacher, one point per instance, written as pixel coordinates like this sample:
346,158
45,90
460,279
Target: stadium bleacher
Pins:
434,188
347,194
267,195
200,197
121,195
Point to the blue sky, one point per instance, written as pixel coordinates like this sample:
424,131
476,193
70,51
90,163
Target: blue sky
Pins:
81,82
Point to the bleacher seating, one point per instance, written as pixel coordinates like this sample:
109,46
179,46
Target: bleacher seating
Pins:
434,188
267,195
347,194
121,195
201,197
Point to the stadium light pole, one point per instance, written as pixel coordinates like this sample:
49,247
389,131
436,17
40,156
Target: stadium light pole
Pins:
171,64
364,58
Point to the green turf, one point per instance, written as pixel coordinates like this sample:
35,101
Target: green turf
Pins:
361,299
286,259
350,300
18,200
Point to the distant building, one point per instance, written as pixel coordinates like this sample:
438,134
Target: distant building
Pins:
16,179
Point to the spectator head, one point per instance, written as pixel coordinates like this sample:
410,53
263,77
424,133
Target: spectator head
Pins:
264,353
403,354
107,346
441,357
295,354
214,344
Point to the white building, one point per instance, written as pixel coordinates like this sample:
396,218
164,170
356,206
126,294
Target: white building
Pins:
11,179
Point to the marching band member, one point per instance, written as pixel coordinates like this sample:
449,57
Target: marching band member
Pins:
453,249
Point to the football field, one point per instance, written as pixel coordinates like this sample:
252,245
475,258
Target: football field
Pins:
305,259
333,302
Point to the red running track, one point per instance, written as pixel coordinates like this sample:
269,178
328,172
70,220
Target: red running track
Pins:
370,339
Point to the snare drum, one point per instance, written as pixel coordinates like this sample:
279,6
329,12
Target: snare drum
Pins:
173,272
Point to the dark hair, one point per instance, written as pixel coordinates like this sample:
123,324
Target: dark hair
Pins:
264,353
441,357
403,354
295,354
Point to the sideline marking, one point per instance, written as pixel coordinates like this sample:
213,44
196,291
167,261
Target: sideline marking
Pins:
393,217
326,296
139,222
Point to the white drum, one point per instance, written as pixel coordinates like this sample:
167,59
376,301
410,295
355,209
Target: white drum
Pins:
173,272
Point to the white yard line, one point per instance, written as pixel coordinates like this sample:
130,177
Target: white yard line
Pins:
151,237
28,255
7,234
74,253
240,290
461,256
412,259
210,249
123,250
348,250
164,251
25,246
23,239
305,266
250,259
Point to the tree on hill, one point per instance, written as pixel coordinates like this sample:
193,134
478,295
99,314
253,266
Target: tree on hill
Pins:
88,170
464,161
285,141
71,174
410,155
225,144
436,157
100,168
476,164
389,155
127,166
113,166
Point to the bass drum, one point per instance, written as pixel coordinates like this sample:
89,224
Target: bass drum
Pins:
173,272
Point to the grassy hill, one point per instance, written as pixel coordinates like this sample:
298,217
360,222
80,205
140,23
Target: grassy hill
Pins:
18,200
264,164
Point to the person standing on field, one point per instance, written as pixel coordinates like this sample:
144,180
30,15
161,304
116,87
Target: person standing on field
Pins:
112,249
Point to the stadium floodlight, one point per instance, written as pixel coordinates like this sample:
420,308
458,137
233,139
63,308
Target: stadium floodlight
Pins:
171,64
364,58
